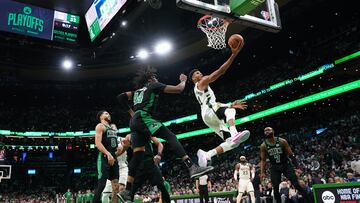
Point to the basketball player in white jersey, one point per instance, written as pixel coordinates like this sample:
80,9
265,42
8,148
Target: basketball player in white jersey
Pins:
123,145
214,113
246,174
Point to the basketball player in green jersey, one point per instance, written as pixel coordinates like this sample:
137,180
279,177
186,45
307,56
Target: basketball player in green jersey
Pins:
144,124
107,166
282,161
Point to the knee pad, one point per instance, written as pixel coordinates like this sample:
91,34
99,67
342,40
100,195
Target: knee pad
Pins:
230,114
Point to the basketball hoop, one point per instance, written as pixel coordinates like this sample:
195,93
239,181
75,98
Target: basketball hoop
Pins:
215,29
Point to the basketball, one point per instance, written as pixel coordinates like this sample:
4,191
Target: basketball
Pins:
235,41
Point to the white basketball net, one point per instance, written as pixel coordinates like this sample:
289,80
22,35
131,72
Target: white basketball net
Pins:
215,29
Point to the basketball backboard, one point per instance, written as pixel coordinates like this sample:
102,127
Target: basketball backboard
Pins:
260,14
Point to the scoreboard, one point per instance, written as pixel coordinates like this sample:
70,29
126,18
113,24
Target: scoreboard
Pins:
65,27
100,13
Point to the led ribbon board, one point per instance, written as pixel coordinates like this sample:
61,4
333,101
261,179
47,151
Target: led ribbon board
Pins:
283,107
303,77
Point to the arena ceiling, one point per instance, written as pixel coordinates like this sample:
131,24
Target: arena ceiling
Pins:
145,26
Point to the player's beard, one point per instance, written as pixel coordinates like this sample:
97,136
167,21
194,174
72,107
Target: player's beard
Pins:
242,162
270,135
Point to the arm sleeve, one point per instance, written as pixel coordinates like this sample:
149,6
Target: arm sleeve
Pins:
158,87
123,100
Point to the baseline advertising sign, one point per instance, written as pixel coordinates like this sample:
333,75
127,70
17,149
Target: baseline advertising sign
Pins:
337,193
211,200
26,19
214,197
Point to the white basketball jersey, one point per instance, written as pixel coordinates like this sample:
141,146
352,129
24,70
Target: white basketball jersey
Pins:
122,159
206,98
244,171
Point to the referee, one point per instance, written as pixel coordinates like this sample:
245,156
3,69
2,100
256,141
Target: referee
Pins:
202,185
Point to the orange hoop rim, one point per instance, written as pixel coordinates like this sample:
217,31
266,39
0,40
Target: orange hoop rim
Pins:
199,24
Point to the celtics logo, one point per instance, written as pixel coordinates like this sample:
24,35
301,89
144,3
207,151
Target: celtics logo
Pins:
27,10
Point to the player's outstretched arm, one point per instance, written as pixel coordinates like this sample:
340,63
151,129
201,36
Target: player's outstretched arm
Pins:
206,80
123,99
262,161
178,88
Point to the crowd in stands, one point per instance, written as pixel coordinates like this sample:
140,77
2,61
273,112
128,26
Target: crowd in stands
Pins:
331,156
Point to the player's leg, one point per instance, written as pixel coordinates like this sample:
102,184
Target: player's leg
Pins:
114,177
214,120
241,190
229,115
251,191
156,179
289,173
123,174
105,198
103,175
138,182
225,146
275,176
139,137
195,171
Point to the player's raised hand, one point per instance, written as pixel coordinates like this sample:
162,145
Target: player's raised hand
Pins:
236,43
239,105
183,77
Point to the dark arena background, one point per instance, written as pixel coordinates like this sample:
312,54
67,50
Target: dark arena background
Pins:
62,61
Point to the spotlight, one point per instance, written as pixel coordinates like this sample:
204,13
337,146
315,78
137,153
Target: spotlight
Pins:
67,64
143,54
163,47
123,23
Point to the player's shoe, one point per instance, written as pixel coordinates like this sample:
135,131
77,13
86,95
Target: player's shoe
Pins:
196,171
203,158
240,137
